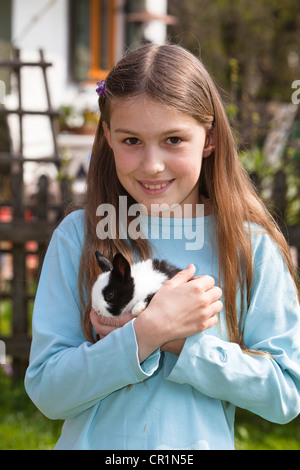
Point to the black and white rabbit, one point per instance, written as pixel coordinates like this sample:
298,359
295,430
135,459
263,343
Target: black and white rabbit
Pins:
122,287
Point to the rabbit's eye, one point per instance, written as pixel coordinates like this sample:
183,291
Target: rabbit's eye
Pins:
109,295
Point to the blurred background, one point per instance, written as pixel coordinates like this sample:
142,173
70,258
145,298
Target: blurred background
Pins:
52,53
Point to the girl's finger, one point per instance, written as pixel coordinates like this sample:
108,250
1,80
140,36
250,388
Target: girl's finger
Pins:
105,325
210,296
182,277
202,284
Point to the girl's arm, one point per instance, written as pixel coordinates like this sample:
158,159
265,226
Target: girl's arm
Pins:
67,374
170,318
267,384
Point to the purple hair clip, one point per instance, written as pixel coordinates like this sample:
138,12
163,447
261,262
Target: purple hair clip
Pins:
101,89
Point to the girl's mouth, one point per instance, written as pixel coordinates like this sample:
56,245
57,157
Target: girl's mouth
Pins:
155,187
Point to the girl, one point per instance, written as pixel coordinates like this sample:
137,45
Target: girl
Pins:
229,337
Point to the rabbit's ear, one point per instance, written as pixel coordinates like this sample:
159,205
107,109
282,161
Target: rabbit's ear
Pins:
121,265
103,262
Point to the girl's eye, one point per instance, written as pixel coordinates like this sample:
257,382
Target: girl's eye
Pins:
174,140
131,141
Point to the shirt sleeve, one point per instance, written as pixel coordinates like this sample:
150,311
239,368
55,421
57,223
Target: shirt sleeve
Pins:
267,385
67,374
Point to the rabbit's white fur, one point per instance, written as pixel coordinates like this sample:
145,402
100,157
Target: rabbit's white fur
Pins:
146,280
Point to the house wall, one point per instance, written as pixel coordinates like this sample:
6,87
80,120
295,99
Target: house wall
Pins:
38,24
43,25
156,31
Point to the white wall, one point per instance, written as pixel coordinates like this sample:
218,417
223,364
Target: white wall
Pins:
39,24
156,31
43,24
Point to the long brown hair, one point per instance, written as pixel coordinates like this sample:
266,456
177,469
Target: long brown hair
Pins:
171,75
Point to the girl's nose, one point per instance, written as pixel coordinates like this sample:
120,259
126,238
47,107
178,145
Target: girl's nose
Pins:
152,162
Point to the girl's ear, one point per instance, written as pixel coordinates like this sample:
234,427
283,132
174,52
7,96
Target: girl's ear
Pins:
209,146
107,134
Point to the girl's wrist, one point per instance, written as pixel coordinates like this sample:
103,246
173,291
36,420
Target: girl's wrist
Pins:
175,346
147,334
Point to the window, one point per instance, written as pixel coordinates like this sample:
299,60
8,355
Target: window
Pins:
92,38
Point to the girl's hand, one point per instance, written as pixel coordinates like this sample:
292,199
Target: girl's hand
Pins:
105,325
178,310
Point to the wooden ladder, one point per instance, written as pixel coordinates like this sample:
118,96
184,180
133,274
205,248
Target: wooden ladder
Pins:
18,232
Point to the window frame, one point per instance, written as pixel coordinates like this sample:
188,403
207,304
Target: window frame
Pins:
95,71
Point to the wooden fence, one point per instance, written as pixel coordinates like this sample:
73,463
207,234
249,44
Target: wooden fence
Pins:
23,242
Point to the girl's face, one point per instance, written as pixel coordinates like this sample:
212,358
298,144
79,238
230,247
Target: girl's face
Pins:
158,152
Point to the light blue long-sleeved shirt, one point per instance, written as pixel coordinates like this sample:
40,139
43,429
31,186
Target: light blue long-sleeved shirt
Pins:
184,402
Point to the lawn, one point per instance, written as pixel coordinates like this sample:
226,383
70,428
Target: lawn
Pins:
23,427
254,433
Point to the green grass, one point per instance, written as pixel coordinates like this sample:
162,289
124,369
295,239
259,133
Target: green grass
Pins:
23,427
255,433
5,318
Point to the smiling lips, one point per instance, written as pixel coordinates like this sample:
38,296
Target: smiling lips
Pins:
155,186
